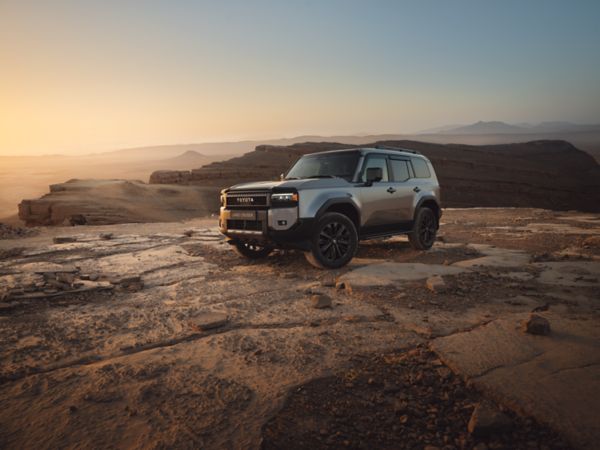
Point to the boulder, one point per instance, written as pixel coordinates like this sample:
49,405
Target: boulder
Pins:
436,284
209,320
537,325
345,286
488,420
320,301
131,283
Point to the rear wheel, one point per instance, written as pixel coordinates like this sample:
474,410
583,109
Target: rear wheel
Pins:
424,230
334,242
252,250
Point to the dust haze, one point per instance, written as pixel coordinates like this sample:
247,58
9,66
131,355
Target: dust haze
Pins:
27,177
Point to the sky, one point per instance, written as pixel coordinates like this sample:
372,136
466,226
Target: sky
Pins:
82,76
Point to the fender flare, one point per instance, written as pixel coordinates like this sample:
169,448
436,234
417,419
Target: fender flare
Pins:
338,201
423,200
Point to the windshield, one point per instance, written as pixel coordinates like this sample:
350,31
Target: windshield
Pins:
329,165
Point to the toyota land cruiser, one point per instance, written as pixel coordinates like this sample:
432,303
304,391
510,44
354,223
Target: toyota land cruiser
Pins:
329,201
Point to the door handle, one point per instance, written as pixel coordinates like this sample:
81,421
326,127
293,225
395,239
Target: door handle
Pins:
417,189
391,190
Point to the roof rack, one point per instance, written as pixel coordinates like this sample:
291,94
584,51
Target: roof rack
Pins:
388,147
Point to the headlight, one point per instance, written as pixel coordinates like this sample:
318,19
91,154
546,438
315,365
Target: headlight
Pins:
287,199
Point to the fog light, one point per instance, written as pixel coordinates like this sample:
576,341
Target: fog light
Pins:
282,223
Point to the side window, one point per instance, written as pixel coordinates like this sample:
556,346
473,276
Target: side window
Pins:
420,167
375,161
400,170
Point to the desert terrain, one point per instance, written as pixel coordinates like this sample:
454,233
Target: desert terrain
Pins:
29,177
157,335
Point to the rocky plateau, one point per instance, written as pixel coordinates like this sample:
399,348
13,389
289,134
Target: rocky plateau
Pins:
157,335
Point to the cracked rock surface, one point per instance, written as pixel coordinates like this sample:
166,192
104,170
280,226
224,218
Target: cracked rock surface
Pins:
162,337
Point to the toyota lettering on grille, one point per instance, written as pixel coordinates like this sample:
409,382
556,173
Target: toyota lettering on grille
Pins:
245,200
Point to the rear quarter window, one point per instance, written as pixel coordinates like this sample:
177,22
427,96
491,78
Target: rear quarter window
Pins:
420,167
400,170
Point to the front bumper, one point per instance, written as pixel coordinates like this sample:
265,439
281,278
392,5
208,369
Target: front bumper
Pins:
279,227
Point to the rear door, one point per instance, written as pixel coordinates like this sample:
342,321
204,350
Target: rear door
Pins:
403,191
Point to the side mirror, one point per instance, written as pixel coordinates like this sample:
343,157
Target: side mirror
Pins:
374,174
281,176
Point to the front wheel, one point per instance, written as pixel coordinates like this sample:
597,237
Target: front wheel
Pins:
334,242
251,250
424,230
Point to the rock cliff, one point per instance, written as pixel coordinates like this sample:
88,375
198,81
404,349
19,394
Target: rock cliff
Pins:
544,174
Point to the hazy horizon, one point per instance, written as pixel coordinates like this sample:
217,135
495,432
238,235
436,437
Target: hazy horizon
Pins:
416,134
88,77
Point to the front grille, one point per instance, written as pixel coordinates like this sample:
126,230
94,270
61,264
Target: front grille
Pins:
246,225
247,199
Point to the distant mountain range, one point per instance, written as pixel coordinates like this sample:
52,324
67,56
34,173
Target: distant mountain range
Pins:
496,127
586,137
190,158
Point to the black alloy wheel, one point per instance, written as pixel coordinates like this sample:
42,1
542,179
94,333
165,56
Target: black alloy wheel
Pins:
334,242
424,231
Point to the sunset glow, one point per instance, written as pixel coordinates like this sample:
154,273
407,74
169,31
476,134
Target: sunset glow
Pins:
80,77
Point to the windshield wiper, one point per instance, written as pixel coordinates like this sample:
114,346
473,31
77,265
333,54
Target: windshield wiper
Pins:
324,176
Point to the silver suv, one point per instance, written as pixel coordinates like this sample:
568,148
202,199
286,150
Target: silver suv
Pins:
329,201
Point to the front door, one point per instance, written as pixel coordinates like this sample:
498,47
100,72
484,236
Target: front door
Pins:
378,205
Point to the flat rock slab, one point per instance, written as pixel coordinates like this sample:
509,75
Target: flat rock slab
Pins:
558,228
554,378
586,218
494,257
386,273
165,277
571,273
46,267
520,276
129,264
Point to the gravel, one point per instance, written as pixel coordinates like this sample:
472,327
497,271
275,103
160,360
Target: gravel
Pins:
399,400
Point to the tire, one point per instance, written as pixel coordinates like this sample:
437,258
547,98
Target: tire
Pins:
252,251
424,230
334,242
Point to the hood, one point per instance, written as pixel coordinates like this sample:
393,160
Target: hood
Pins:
309,183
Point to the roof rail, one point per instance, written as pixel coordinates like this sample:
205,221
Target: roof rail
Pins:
388,147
